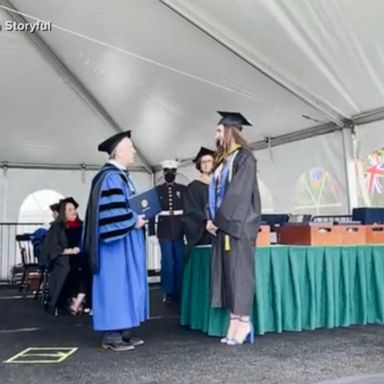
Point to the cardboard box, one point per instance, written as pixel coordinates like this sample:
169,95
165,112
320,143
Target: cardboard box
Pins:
319,234
263,237
352,234
374,234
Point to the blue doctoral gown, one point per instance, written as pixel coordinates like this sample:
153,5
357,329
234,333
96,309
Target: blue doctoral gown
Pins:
120,290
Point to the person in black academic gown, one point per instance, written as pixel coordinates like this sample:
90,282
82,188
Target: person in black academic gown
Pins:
196,199
55,209
38,238
69,277
233,219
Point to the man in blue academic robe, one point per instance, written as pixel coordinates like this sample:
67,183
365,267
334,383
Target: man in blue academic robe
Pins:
114,244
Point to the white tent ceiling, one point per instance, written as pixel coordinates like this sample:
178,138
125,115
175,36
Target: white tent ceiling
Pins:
162,69
40,116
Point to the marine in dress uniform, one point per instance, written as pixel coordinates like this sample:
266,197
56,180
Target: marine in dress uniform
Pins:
170,232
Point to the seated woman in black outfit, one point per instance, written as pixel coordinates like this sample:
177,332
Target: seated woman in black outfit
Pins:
69,278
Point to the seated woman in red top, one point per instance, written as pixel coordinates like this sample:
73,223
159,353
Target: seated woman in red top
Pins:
69,280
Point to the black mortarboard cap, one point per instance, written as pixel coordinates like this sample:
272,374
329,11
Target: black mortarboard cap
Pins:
110,144
54,207
233,118
69,200
203,152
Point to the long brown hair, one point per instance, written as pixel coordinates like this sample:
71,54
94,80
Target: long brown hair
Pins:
230,132
63,204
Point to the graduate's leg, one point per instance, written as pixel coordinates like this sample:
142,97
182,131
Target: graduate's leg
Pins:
178,253
227,268
245,290
166,266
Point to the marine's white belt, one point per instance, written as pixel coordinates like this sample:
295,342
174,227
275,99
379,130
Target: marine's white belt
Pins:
171,213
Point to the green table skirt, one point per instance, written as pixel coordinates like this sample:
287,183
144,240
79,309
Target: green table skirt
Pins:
297,288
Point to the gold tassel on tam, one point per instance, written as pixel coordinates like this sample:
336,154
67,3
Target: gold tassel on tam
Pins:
227,243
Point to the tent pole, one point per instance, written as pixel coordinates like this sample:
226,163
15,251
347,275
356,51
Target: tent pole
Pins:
348,135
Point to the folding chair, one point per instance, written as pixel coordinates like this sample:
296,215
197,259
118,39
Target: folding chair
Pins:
43,286
30,264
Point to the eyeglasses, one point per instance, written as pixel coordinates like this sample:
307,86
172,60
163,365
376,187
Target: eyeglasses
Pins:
207,162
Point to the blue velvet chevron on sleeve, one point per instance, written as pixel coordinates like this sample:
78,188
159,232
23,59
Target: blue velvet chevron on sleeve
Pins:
116,219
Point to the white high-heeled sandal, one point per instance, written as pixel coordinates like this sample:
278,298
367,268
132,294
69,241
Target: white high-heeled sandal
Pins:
249,337
225,339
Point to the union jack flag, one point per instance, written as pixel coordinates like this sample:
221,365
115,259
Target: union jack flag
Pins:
374,174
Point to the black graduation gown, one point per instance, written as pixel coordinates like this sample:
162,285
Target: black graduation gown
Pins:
239,217
53,246
78,279
195,201
60,265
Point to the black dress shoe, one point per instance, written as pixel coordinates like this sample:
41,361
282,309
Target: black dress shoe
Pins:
52,310
176,298
118,346
168,299
72,312
134,341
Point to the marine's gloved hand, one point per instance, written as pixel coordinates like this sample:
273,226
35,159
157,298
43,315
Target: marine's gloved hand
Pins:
153,240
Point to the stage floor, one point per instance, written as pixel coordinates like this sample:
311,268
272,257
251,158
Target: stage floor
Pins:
173,354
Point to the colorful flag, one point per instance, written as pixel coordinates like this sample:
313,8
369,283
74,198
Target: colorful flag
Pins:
374,174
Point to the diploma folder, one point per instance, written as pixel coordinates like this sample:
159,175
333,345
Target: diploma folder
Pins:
146,203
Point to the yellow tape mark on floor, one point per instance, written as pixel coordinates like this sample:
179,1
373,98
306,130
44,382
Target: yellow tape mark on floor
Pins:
58,354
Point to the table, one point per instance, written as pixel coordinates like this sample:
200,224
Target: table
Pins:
297,288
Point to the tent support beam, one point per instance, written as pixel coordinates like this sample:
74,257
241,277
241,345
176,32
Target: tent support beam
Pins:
269,142
369,116
277,78
61,167
360,119
67,75
295,136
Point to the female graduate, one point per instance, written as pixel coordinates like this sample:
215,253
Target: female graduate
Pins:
234,217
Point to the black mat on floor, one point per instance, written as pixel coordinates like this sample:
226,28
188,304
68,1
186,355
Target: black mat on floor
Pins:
173,354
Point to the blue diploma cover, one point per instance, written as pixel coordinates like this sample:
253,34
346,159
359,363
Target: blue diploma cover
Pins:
146,203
